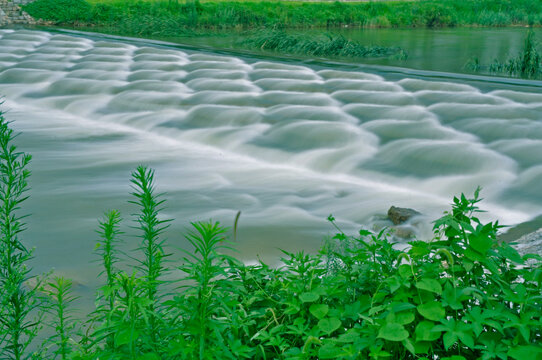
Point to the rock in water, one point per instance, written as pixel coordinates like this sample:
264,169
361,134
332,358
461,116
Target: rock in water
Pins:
400,215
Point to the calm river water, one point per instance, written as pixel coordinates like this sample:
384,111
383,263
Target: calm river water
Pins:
285,143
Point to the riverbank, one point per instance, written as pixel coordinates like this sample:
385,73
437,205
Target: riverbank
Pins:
169,18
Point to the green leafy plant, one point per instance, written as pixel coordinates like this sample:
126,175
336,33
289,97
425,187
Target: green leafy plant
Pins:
20,304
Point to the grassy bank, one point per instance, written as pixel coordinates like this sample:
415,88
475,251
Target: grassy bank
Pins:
167,18
463,295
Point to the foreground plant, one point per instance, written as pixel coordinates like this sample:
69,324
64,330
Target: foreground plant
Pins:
20,304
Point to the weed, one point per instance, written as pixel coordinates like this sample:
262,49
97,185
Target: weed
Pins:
21,307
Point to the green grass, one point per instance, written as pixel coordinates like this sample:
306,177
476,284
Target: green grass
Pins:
462,295
163,16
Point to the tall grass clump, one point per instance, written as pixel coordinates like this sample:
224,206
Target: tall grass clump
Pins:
527,64
329,45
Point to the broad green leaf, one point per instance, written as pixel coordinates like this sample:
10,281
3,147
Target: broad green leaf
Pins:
454,357
431,285
349,337
405,271
319,311
329,325
393,332
425,331
465,338
431,310
409,346
404,317
474,255
125,336
525,352
449,339
149,356
329,351
307,297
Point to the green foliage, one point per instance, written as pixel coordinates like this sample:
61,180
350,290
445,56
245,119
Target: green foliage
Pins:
20,303
127,14
318,45
61,11
527,64
60,293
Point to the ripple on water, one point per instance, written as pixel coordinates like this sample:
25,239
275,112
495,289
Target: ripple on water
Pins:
430,97
272,98
489,130
369,112
333,85
26,76
451,112
390,130
429,158
526,152
203,84
220,98
137,100
100,66
521,97
159,65
418,85
290,85
74,86
156,75
102,75
216,74
156,86
204,116
375,98
42,65
286,113
304,135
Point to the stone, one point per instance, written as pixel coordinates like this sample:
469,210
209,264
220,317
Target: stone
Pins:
400,215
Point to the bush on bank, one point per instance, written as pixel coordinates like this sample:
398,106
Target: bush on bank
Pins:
463,295
159,16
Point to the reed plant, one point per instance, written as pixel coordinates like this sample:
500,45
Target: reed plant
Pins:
322,46
527,64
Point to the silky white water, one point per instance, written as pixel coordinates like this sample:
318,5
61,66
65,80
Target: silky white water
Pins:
285,144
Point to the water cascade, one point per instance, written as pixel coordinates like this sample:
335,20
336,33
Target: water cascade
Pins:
285,144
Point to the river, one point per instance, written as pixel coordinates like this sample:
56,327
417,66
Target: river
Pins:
285,142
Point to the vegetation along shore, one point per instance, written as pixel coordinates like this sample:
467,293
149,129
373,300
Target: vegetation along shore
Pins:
161,17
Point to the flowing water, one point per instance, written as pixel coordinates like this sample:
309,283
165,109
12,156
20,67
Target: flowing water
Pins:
447,49
285,143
